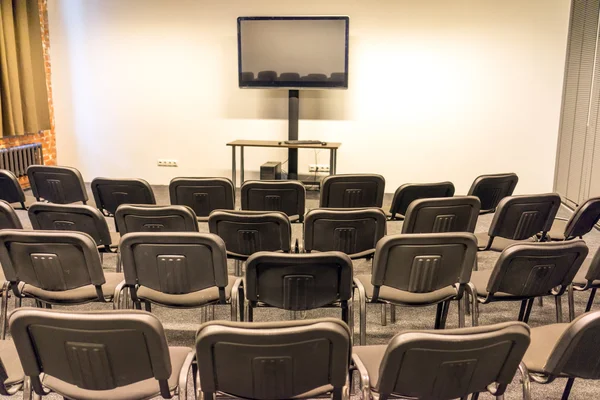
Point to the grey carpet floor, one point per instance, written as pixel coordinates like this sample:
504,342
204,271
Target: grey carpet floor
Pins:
181,325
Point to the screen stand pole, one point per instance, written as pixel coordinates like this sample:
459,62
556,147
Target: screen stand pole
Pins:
293,113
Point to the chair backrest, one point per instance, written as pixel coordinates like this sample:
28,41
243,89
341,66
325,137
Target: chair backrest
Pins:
273,360
288,197
350,191
110,193
8,217
593,272
10,189
175,263
452,363
490,189
422,263
61,185
152,218
576,352
521,217
298,281
534,269
583,219
248,232
51,260
203,195
443,214
123,347
351,231
410,192
70,217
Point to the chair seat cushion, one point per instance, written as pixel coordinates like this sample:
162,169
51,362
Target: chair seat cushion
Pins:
543,340
141,390
579,279
11,362
499,243
396,296
371,357
80,295
557,232
193,299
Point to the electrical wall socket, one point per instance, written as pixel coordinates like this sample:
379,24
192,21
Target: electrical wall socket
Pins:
167,163
318,168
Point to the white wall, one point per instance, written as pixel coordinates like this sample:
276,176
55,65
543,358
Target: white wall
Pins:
439,90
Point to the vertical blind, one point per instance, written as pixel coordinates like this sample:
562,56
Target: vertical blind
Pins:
577,175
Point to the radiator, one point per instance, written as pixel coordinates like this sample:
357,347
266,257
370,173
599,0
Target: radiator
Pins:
17,159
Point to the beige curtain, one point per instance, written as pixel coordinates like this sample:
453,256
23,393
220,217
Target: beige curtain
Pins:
23,92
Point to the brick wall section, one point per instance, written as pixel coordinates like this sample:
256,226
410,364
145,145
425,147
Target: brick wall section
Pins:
47,138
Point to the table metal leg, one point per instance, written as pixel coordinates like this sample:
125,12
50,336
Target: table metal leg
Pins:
334,161
241,165
233,167
331,162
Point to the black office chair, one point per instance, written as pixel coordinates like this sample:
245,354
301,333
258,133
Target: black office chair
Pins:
61,185
75,217
8,220
525,271
179,270
288,197
444,214
520,218
99,355
582,221
490,189
443,364
410,192
418,270
562,351
153,218
110,193
274,360
352,191
351,231
299,282
10,189
203,195
587,278
248,232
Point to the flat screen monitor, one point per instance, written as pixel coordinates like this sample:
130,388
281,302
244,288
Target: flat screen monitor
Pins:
293,52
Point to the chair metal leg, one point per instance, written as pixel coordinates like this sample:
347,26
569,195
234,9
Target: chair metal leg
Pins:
392,313
528,310
522,310
525,381
383,314
238,268
362,313
351,317
567,390
467,305
541,301
445,314
571,301
471,292
588,307
559,314
438,315
461,313
4,309
249,312
148,306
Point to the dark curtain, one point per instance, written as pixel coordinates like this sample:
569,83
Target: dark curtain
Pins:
23,92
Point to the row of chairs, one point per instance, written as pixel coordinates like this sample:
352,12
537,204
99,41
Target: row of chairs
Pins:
125,355
64,185
189,270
